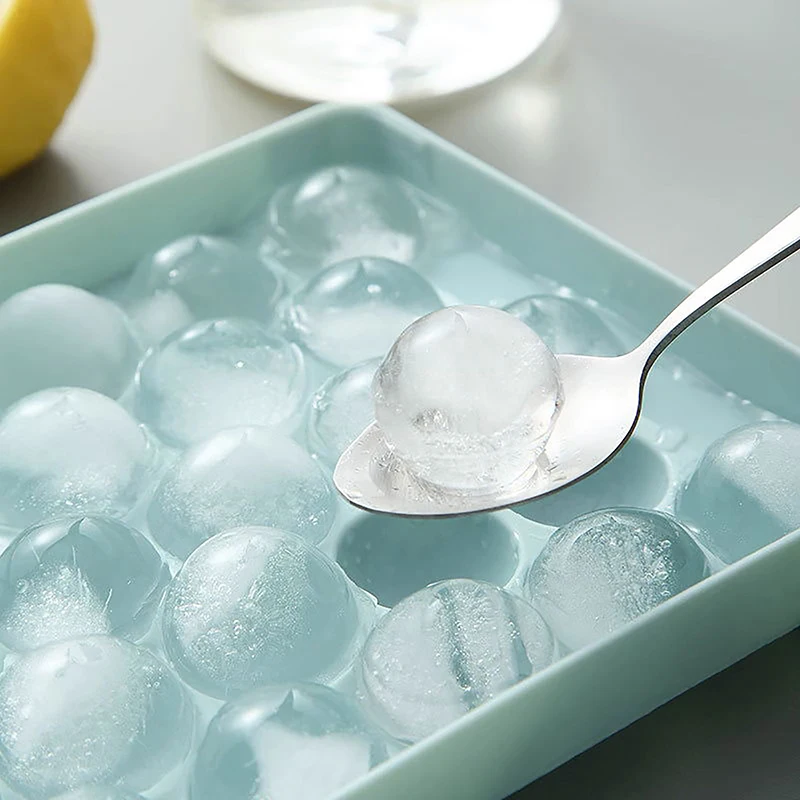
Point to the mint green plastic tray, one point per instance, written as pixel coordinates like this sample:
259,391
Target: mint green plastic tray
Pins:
587,696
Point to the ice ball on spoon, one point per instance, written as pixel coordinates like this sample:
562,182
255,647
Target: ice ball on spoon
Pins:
467,398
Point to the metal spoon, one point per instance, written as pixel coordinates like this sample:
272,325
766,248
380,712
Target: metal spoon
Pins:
602,403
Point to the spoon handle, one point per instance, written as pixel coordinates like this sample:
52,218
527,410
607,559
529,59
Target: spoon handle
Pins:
772,248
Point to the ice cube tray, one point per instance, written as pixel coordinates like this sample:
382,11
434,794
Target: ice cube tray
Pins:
585,696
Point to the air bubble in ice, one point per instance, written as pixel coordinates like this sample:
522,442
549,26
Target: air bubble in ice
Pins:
567,325
355,310
305,741
445,650
241,476
257,606
467,397
78,576
744,492
340,410
344,212
218,374
90,710
211,276
54,335
606,568
70,451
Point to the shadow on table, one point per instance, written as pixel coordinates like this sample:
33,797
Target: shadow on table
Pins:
734,736
47,185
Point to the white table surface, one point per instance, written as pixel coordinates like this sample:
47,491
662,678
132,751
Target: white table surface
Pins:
672,125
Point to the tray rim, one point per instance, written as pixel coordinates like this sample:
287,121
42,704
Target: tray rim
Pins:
394,120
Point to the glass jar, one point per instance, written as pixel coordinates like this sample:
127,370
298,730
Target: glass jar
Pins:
373,51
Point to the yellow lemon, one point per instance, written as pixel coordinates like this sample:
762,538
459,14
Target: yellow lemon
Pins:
45,48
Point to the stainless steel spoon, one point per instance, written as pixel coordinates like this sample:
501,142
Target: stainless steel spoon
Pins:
602,403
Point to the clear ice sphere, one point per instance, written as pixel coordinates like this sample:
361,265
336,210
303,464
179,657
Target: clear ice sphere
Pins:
239,477
567,325
445,650
463,269
606,568
157,316
90,710
340,410
340,213
98,793
467,397
211,276
218,374
75,577
53,335
304,741
258,606
70,451
743,494
354,310
393,557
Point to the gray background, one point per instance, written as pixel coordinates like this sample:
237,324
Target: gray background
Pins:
672,125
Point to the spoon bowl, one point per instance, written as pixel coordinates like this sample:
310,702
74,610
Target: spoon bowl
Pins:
598,415
602,400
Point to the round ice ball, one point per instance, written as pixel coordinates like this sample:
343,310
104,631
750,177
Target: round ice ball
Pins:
238,477
340,410
54,335
90,710
304,741
218,374
344,212
445,650
392,557
212,277
98,793
606,568
70,451
567,325
257,606
467,397
156,316
355,310
78,576
744,492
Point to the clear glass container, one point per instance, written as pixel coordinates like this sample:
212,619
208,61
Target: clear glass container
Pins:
375,50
